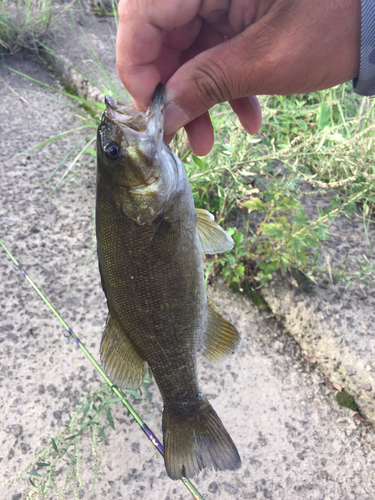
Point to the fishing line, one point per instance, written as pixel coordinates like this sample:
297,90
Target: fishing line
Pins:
119,393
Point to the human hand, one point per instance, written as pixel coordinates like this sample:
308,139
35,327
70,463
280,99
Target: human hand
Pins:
210,51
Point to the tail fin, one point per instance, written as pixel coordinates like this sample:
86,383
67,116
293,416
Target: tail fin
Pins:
197,442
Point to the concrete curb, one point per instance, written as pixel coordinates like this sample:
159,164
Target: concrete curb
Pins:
317,325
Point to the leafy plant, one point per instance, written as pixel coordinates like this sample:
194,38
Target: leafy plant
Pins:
57,466
234,261
64,451
104,7
310,145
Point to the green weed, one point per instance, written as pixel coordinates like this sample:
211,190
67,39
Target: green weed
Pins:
346,401
104,8
319,144
25,23
56,468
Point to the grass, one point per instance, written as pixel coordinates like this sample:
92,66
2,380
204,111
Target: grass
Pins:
315,144
24,23
103,8
57,467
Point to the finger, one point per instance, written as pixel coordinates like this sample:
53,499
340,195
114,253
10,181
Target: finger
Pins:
167,63
249,113
182,38
200,131
140,40
216,75
206,38
200,134
169,138
174,42
137,70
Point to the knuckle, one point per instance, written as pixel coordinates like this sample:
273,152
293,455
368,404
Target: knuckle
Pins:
213,84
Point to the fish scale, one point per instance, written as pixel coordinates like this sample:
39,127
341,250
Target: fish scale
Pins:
136,288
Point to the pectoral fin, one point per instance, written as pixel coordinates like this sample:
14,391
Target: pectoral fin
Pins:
120,361
211,237
164,241
221,339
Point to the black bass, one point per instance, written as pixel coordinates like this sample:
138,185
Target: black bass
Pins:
150,241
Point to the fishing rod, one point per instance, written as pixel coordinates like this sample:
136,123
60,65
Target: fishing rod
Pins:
119,393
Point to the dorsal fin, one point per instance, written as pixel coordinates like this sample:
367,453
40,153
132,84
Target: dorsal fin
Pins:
221,339
120,361
211,237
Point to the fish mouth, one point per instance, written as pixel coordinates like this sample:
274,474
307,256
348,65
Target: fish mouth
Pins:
125,107
125,115
111,102
155,117
158,100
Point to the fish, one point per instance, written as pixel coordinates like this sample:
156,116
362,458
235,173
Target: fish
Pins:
150,241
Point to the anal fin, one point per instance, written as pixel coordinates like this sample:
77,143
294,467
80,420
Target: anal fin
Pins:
120,361
211,237
221,339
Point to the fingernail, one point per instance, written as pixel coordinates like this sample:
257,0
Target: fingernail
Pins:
175,118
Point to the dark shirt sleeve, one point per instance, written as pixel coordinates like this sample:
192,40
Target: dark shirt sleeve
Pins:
364,84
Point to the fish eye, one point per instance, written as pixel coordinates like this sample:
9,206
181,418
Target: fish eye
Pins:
112,151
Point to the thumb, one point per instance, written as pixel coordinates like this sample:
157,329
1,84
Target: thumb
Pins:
211,77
